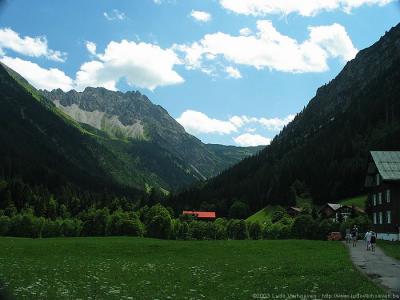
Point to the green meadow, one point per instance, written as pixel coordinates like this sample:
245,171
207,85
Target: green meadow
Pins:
358,201
390,248
141,268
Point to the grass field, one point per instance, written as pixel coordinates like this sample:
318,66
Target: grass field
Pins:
358,201
139,268
390,248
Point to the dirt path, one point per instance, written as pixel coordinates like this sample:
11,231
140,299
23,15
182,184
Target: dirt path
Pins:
377,265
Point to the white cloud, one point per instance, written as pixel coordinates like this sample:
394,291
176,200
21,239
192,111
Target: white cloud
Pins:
95,74
333,39
237,121
270,49
193,54
91,47
39,77
197,122
140,64
245,31
248,139
271,124
115,14
159,2
275,124
305,8
233,72
200,16
29,46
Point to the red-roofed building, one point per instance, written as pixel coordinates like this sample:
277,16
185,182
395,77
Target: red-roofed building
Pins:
201,215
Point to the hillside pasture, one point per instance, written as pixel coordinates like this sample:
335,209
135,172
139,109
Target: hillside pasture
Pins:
265,214
358,201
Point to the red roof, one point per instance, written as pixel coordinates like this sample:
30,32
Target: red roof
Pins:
201,214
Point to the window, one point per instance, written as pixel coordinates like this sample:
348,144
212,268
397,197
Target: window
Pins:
388,196
374,199
377,178
389,217
380,217
374,217
380,198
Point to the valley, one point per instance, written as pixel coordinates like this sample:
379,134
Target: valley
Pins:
199,150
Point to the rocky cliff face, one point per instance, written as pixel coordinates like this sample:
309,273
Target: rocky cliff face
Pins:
132,115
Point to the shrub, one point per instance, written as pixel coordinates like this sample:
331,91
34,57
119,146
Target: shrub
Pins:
303,227
255,231
95,222
220,229
183,233
71,227
238,210
132,227
51,228
278,214
159,222
274,232
237,230
285,231
211,231
323,229
26,225
5,224
176,225
198,230
115,223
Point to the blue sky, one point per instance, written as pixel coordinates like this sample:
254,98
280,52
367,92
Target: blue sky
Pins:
230,71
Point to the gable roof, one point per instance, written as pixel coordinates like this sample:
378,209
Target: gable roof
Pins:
298,209
387,163
334,206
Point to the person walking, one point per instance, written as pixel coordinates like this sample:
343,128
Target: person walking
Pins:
354,235
373,241
367,238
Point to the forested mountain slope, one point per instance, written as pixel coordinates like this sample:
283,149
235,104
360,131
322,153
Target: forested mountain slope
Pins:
44,146
324,150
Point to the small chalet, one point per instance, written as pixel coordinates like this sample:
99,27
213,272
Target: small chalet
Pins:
293,211
338,212
383,185
201,215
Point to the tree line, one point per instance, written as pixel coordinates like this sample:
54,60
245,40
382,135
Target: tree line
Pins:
158,221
